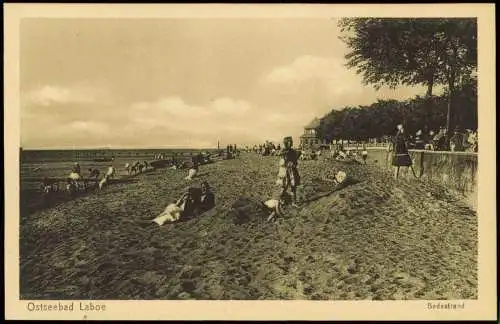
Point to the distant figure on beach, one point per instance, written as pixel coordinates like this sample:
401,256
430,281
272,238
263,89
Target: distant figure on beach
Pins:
71,187
144,166
429,142
457,141
193,171
471,141
135,168
93,174
75,173
76,168
401,157
364,154
111,172
104,181
291,158
419,141
128,168
341,155
439,140
48,186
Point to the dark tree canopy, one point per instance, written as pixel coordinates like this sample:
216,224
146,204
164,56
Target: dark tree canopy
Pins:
410,51
380,118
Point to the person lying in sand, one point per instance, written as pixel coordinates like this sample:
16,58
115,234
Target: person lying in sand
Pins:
184,207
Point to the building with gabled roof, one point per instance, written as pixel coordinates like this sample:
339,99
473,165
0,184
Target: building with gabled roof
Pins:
310,138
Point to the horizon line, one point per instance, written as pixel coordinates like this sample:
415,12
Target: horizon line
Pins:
112,148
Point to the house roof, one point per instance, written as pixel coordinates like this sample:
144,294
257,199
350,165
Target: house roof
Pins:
313,124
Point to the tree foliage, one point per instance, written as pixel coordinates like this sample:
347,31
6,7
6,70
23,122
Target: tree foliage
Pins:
380,118
410,51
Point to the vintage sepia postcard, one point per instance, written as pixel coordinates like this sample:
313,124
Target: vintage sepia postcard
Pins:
250,162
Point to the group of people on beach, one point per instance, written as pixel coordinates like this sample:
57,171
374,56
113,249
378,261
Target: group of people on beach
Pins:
288,181
196,201
401,143
442,140
76,182
339,153
137,167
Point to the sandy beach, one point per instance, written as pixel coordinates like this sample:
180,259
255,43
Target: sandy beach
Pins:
374,239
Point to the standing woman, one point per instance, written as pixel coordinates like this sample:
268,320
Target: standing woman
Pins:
292,178
401,157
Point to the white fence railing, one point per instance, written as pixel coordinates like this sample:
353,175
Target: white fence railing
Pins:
367,145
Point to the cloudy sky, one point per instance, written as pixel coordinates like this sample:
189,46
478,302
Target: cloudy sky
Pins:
139,83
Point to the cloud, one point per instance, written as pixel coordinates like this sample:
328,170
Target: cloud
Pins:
321,82
79,129
174,106
230,106
284,99
52,94
173,116
304,68
88,126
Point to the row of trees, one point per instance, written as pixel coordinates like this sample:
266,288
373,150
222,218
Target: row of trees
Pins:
381,117
411,51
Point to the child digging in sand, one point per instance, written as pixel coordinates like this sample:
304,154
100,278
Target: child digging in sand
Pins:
253,209
275,206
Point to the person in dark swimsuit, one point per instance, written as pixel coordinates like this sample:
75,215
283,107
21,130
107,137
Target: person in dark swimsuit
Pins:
207,199
401,157
419,141
189,202
292,178
94,173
